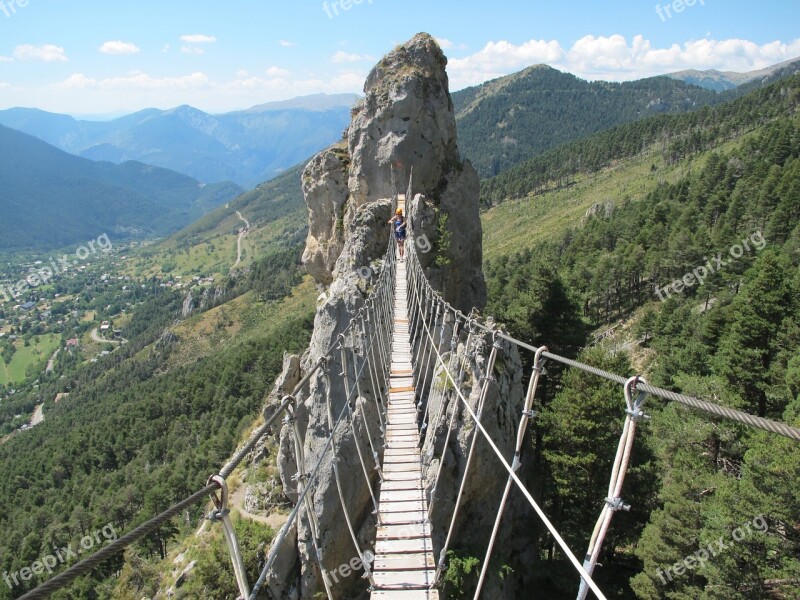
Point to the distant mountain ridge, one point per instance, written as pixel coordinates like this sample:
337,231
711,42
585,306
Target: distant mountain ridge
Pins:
247,147
51,199
721,81
503,122
514,118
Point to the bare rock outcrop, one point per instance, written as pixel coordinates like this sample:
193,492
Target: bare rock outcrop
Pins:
325,190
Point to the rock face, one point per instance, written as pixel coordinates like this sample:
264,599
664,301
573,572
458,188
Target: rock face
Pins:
188,305
325,190
405,120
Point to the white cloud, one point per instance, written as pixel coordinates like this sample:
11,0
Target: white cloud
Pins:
287,44
166,48
47,53
198,38
615,58
6,59
242,73
278,72
192,50
446,44
119,47
136,81
344,57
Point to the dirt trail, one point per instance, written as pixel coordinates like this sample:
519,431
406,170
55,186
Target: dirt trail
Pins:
242,233
51,362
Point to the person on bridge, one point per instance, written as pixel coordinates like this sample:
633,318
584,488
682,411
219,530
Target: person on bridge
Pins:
399,231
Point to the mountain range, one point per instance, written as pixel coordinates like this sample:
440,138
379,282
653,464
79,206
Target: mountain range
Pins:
50,199
502,123
721,81
508,120
247,147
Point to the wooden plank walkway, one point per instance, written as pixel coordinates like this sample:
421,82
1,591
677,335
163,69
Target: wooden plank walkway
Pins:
404,566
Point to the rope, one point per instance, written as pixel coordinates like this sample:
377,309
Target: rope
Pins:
527,415
460,381
291,418
337,477
273,553
82,568
363,412
370,358
355,435
613,501
473,444
542,516
711,408
293,515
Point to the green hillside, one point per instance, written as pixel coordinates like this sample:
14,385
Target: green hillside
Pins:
132,199
679,262
506,121
277,215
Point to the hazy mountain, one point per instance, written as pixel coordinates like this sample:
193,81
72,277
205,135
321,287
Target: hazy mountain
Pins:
719,81
50,199
247,147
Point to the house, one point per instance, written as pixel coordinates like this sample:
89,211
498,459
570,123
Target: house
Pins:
73,343
105,326
28,305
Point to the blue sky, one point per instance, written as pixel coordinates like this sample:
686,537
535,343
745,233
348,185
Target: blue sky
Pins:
97,57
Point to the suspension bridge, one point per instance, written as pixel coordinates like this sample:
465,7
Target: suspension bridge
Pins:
390,354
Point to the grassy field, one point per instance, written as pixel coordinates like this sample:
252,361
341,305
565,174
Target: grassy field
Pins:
37,353
519,224
213,253
237,321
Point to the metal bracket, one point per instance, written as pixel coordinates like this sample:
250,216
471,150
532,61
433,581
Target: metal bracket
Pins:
617,504
221,515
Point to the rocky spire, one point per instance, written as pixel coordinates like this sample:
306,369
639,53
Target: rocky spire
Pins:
405,120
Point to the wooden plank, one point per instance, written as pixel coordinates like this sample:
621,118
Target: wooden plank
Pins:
401,458
405,595
408,484
404,562
403,518
402,495
410,466
402,507
402,546
404,579
403,532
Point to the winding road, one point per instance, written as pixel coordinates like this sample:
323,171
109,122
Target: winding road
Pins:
51,362
101,340
242,233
